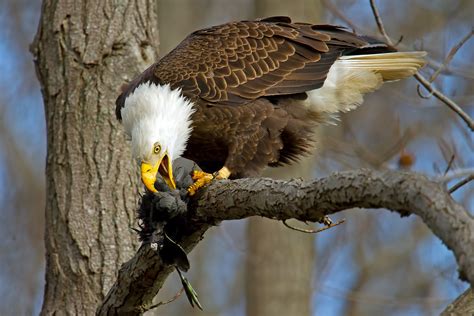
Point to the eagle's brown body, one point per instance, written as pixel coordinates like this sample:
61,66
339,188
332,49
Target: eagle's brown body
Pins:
248,81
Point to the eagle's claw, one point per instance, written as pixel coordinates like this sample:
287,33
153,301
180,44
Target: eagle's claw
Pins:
201,178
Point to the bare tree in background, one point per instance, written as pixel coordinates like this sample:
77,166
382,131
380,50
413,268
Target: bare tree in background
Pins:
280,262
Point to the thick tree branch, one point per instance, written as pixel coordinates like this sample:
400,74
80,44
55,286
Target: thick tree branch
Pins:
140,278
406,193
463,305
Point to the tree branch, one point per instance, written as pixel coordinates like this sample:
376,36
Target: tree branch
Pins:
443,98
424,82
463,305
452,52
407,193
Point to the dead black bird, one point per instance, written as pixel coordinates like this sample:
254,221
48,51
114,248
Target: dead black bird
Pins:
161,215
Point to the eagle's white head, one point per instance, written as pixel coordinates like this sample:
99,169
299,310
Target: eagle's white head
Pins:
158,120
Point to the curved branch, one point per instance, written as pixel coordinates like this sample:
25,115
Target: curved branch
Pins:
402,192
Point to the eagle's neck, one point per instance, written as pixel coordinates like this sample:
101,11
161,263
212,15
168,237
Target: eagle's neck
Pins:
156,113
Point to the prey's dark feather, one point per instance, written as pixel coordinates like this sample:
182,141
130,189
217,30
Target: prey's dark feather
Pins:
161,216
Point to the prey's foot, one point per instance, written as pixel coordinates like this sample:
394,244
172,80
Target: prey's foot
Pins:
202,178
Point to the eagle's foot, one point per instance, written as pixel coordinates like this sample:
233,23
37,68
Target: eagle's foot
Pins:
198,174
202,178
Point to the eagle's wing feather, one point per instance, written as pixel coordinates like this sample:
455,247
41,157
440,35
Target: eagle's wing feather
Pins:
238,62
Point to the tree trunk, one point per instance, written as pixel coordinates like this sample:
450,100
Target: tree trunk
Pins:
280,261
279,269
84,51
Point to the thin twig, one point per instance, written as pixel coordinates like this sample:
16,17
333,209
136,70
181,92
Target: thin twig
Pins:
174,298
461,183
451,54
379,22
447,146
433,91
450,164
313,231
443,98
455,175
447,60
450,69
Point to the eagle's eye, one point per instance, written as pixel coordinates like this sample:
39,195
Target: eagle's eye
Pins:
156,148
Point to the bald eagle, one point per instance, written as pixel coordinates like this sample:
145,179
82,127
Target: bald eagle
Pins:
241,96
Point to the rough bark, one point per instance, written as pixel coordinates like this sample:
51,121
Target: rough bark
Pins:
84,51
463,305
402,192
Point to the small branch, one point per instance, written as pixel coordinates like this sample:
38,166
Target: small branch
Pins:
446,100
379,22
450,164
455,174
313,231
433,91
453,51
461,183
174,298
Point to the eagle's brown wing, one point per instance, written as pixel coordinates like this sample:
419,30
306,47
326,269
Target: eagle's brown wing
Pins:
241,61
237,62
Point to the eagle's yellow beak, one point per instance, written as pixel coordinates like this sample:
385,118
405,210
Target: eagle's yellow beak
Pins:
163,167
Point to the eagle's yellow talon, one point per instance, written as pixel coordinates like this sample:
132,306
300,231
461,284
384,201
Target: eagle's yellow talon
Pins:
202,178
198,174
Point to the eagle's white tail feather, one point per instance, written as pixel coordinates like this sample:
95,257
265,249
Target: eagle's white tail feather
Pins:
392,66
350,77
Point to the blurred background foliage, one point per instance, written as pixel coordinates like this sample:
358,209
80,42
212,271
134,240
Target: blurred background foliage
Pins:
375,263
